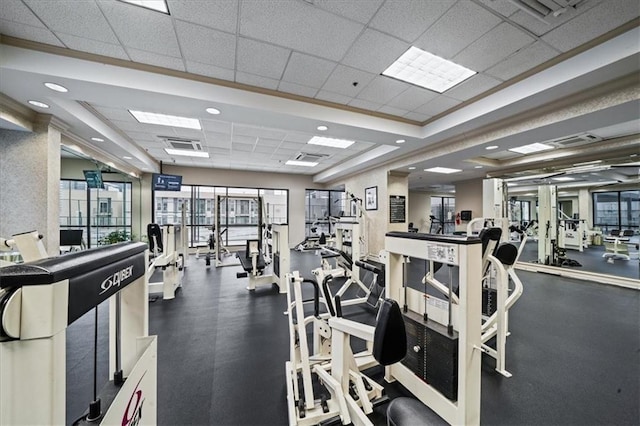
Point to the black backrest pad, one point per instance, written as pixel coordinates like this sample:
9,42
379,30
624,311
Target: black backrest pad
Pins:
389,338
507,254
489,234
153,230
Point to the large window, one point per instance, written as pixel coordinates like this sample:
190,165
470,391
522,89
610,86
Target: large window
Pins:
319,206
98,212
616,210
443,208
520,211
240,211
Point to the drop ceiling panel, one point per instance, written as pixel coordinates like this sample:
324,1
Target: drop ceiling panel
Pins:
93,46
307,70
594,22
494,46
256,80
82,18
16,11
523,60
27,32
216,126
205,45
249,140
412,98
504,8
437,105
261,59
382,90
241,147
268,143
156,35
410,21
539,27
416,116
296,25
151,58
464,23
297,89
342,81
360,103
374,51
360,11
209,70
393,111
115,113
221,15
333,97
474,86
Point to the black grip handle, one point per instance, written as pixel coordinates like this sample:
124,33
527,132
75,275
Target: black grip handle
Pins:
316,296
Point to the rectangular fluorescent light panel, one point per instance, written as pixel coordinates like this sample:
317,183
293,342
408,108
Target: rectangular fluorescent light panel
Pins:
444,170
301,163
426,70
531,148
187,153
563,178
333,143
166,120
157,5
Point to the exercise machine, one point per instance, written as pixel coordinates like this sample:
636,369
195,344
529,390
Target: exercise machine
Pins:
224,256
616,246
435,225
166,243
40,299
255,267
444,375
28,244
352,394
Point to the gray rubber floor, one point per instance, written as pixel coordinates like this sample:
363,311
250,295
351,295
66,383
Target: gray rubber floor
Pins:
574,353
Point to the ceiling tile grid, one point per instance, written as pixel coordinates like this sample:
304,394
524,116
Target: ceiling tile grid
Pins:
220,15
374,51
297,89
17,11
27,32
93,46
256,80
205,45
261,59
410,20
460,26
523,60
307,70
210,70
296,25
156,35
359,11
79,18
152,58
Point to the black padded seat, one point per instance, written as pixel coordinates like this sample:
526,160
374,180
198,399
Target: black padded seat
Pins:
411,412
347,258
390,337
247,264
507,254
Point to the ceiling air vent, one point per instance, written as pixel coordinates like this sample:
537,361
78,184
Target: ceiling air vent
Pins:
313,158
546,10
574,140
182,143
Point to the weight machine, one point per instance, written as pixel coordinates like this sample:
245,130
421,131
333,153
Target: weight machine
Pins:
253,262
40,299
444,375
221,252
167,244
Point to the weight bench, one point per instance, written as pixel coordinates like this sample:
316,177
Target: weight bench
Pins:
616,248
374,297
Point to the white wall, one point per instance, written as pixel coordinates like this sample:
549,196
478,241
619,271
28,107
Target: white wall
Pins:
419,210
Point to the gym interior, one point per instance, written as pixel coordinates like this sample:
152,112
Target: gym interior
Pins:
320,212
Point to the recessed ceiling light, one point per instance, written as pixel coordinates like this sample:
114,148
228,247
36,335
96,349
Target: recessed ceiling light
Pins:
39,104
214,111
400,141
444,170
56,87
127,157
490,147
334,143
563,178
531,148
97,139
426,70
187,153
512,184
166,120
322,128
301,163
412,168
157,5
477,167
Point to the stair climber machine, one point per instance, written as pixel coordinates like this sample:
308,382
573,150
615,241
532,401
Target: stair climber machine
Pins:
168,245
39,299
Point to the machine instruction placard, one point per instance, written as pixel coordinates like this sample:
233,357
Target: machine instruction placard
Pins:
444,253
397,209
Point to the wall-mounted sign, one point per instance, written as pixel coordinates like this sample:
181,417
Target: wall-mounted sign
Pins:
397,208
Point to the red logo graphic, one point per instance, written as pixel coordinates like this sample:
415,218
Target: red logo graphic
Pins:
136,413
